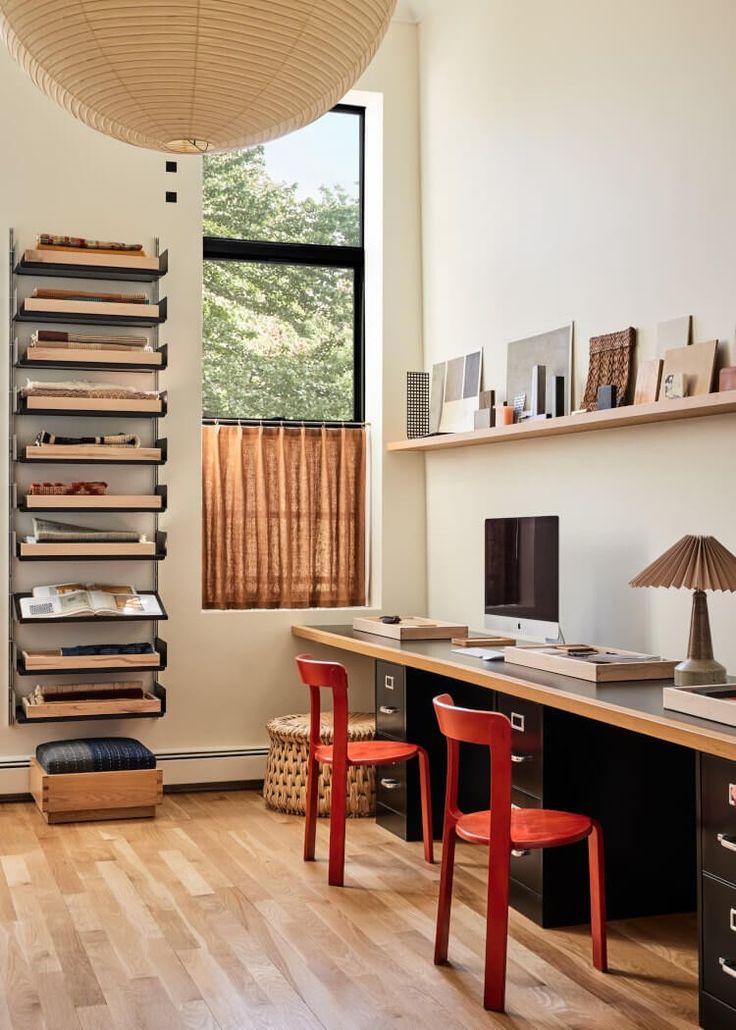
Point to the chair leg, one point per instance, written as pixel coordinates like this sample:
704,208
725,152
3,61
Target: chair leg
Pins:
597,898
426,792
444,904
310,822
497,930
336,871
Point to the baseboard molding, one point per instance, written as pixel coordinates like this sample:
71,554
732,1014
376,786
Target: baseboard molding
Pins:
215,769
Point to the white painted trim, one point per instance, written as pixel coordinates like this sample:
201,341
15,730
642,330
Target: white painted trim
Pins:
217,765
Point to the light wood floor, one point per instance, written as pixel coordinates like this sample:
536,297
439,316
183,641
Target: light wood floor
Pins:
207,917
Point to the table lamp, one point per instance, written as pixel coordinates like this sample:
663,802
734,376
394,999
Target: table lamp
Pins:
698,563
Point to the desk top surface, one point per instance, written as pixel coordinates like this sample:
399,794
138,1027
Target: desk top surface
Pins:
635,706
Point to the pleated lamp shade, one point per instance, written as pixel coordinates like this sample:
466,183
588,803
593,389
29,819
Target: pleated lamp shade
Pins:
698,563
694,562
194,76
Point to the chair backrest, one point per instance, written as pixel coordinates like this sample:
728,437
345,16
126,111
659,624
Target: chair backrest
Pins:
491,729
332,676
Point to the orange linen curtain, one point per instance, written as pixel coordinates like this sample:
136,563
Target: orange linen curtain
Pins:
283,517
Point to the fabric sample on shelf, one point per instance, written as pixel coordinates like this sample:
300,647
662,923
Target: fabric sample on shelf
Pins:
81,488
84,388
47,239
609,364
110,440
87,341
84,650
46,531
96,754
97,296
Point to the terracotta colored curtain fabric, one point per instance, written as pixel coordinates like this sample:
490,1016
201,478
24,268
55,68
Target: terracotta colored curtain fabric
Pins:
283,517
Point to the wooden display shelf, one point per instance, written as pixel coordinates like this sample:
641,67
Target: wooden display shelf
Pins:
47,663
155,502
68,264
90,312
103,360
113,360
64,620
151,706
149,550
94,454
92,407
591,421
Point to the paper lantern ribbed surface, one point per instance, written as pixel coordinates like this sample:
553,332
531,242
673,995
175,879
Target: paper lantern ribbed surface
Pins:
196,76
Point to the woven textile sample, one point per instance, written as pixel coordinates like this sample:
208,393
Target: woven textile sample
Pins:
610,363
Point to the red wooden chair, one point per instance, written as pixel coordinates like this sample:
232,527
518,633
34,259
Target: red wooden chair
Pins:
340,755
507,828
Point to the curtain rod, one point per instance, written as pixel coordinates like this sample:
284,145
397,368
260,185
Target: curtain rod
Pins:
287,423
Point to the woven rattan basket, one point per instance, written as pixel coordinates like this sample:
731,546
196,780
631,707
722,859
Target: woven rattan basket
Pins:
285,785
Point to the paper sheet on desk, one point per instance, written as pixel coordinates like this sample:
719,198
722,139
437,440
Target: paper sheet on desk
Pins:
486,653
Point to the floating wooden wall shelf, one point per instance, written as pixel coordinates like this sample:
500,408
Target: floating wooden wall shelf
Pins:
587,422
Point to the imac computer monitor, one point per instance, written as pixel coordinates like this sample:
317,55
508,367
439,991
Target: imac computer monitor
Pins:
522,577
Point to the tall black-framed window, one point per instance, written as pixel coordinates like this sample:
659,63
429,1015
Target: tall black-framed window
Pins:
283,318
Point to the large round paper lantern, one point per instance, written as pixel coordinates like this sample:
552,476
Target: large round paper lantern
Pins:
194,76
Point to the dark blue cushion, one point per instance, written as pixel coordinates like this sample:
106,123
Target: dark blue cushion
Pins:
95,754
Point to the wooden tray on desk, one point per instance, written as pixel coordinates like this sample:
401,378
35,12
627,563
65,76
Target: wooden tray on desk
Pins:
411,627
556,658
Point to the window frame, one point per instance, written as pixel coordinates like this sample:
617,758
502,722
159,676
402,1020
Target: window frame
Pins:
348,258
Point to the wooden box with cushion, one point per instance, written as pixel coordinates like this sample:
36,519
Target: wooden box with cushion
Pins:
97,778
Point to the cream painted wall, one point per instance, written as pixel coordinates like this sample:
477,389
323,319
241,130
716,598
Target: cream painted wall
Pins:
577,163
228,671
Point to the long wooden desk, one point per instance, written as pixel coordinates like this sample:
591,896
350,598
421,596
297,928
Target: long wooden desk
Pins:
633,706
662,784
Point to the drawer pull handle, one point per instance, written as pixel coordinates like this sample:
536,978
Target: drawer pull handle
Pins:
732,919
388,682
727,841
522,853
387,710
728,966
390,784
517,722
521,758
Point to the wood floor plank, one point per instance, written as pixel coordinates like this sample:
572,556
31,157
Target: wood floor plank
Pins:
206,918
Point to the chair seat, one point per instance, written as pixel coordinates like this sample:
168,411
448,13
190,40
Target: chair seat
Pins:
530,827
370,752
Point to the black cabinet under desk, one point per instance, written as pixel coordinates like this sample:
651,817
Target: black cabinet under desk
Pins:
641,789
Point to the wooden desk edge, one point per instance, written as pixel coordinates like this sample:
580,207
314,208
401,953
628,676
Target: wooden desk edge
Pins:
708,740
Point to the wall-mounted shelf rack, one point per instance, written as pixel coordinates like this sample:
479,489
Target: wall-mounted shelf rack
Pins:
94,454
91,407
156,691
587,422
154,550
92,313
122,267
141,504
40,503
115,361
52,665
63,620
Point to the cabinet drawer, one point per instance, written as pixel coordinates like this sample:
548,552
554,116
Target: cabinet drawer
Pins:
390,700
718,816
391,787
526,867
526,743
719,940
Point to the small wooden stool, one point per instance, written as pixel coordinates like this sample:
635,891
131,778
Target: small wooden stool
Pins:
97,778
285,785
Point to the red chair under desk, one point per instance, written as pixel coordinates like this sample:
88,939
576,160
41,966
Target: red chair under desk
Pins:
332,676
521,829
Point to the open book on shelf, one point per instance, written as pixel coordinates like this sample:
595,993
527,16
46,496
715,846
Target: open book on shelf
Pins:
75,599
